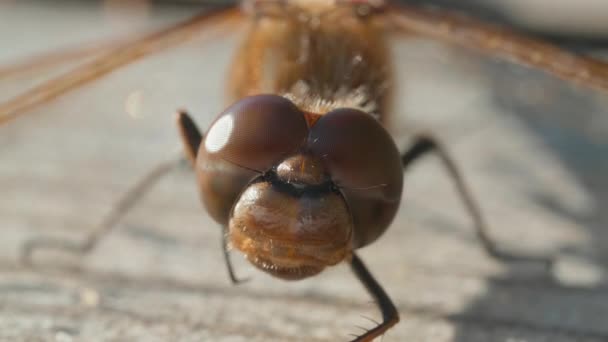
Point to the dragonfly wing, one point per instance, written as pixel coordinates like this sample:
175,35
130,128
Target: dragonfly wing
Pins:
118,55
471,33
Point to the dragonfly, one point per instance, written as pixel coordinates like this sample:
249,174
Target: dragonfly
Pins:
300,170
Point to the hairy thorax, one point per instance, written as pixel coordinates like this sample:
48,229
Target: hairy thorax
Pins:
319,56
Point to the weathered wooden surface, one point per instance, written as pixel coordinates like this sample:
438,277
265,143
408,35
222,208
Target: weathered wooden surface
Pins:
533,149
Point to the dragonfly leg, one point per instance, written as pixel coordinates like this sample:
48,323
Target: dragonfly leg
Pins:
229,267
191,138
190,134
390,316
423,145
123,206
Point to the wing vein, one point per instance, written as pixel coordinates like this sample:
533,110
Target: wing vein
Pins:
115,58
470,33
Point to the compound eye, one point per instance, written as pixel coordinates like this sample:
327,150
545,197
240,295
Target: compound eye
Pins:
358,152
364,163
250,137
256,132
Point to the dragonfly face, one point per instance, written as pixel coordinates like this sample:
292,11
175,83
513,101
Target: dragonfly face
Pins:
298,191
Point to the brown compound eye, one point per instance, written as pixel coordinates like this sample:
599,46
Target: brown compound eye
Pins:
248,138
256,132
364,163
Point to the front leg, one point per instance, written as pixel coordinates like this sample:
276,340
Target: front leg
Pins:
390,316
233,278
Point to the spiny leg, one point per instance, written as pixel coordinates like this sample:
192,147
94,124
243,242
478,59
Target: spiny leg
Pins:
425,144
390,316
124,205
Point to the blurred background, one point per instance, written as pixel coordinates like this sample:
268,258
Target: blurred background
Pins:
533,148
559,18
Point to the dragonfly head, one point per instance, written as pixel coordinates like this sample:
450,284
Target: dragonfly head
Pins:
298,191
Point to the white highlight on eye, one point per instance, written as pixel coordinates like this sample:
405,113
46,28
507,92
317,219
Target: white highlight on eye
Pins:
219,134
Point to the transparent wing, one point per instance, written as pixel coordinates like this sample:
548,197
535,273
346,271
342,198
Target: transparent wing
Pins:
502,43
532,146
112,58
